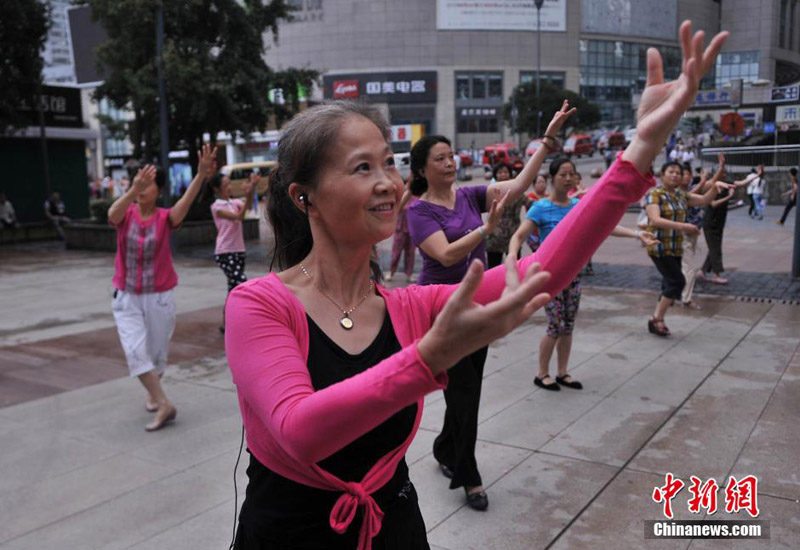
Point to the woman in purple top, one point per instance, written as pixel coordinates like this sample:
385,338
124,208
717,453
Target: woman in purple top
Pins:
445,223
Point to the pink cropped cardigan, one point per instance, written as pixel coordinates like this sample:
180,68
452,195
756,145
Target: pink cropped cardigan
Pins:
291,427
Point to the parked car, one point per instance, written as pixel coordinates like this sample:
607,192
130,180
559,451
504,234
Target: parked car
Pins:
613,140
534,145
402,162
579,145
630,133
507,153
239,173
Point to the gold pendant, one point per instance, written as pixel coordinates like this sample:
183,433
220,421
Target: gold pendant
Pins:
346,322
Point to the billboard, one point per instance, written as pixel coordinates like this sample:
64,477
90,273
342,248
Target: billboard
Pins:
500,15
400,87
645,18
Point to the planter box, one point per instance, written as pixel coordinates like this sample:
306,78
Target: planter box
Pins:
85,235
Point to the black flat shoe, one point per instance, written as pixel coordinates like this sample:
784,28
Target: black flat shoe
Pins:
446,471
540,382
574,384
477,501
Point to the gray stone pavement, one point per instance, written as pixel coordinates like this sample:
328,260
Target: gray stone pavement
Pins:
574,469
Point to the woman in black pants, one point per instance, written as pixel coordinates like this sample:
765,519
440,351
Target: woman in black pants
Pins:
446,225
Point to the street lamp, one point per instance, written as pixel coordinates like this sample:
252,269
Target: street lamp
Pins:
539,4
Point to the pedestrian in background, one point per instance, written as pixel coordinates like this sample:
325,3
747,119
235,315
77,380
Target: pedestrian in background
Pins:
8,218
402,245
497,242
56,212
759,185
792,194
228,214
144,278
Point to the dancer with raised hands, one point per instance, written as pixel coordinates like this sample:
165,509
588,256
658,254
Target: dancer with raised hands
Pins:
445,223
144,278
332,369
542,218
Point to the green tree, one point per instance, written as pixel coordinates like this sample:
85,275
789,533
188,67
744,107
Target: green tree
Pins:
214,68
23,31
524,97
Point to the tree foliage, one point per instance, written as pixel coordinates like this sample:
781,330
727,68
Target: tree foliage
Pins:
214,69
528,105
23,31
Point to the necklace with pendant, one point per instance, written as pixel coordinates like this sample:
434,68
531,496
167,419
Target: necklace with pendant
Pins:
346,322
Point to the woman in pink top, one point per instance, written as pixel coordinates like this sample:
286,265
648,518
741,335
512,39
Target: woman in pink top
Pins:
144,278
228,213
331,369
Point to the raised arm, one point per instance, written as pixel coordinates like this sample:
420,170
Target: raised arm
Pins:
178,212
144,178
525,229
447,253
573,241
516,186
663,103
709,195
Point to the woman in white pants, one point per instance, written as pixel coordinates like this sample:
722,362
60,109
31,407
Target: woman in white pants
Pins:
144,278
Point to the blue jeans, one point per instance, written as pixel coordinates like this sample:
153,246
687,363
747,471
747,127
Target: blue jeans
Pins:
758,200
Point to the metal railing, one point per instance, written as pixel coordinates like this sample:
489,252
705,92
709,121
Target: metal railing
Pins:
774,158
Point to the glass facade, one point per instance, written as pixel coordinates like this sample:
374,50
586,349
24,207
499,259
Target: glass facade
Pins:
479,86
731,65
548,77
612,71
113,145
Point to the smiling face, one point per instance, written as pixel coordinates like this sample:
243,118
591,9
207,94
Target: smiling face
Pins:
359,187
503,174
440,168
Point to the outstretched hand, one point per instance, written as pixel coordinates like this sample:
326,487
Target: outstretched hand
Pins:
463,326
559,119
144,178
496,209
663,103
207,158
647,238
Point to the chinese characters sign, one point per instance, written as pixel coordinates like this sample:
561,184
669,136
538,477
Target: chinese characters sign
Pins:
500,15
712,97
405,87
787,113
61,107
786,93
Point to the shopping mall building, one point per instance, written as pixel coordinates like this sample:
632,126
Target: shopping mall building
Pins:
451,65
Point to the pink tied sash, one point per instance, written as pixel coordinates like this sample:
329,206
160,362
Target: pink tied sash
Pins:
344,511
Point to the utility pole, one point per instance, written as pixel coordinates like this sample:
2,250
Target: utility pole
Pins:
162,103
539,4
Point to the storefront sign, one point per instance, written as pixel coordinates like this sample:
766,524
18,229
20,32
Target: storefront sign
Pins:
787,113
712,97
407,87
61,107
786,93
516,15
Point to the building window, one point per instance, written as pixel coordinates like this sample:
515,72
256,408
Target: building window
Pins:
479,85
782,24
548,77
733,65
478,120
612,71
